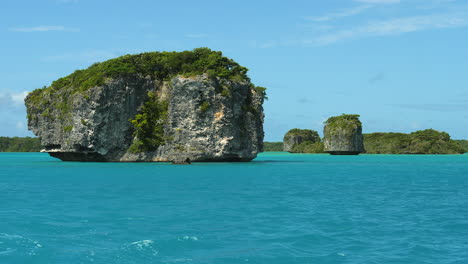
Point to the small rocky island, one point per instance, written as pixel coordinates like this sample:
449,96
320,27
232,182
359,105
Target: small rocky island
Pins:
159,106
302,141
343,135
428,141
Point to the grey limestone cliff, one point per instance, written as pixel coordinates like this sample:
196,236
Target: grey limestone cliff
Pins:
201,123
343,135
160,106
297,136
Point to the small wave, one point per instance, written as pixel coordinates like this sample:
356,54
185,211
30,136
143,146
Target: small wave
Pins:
145,246
142,243
12,243
7,251
193,238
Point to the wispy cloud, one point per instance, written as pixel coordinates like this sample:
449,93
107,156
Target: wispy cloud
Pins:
12,99
365,5
43,29
392,27
345,13
435,107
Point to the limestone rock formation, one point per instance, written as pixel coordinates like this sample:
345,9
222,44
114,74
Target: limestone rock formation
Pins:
295,137
343,135
151,107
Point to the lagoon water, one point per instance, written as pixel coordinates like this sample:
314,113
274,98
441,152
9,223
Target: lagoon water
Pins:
280,208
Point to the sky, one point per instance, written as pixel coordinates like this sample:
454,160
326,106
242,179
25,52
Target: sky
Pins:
401,64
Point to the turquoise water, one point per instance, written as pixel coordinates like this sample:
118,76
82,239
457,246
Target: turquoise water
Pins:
281,208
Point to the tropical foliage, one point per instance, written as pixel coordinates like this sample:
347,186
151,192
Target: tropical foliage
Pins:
309,142
158,65
463,144
308,147
19,144
149,125
272,146
427,141
343,122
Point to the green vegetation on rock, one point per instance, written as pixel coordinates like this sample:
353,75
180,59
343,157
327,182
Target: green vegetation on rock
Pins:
149,125
272,146
204,106
155,65
342,135
463,143
20,144
427,141
57,102
302,141
308,147
343,121
306,134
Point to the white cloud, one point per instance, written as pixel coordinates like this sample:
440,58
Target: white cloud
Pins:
12,98
392,27
18,98
43,29
345,13
13,114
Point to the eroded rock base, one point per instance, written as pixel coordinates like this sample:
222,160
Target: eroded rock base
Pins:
344,152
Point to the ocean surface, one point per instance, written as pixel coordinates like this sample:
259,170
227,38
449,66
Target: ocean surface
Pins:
280,208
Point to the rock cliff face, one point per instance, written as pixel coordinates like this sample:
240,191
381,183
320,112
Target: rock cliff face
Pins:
343,135
139,118
298,136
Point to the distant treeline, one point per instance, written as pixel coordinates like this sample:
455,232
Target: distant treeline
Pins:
19,144
427,141
374,143
464,144
272,146
420,142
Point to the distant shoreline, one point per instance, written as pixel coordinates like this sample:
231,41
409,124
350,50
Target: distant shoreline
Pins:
30,144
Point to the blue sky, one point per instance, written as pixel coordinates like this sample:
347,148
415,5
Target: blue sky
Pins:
401,64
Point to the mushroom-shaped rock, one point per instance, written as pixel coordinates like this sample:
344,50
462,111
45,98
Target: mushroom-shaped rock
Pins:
298,136
156,106
343,135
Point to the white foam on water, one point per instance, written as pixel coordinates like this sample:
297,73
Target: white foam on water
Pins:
193,238
143,243
341,254
8,236
26,245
